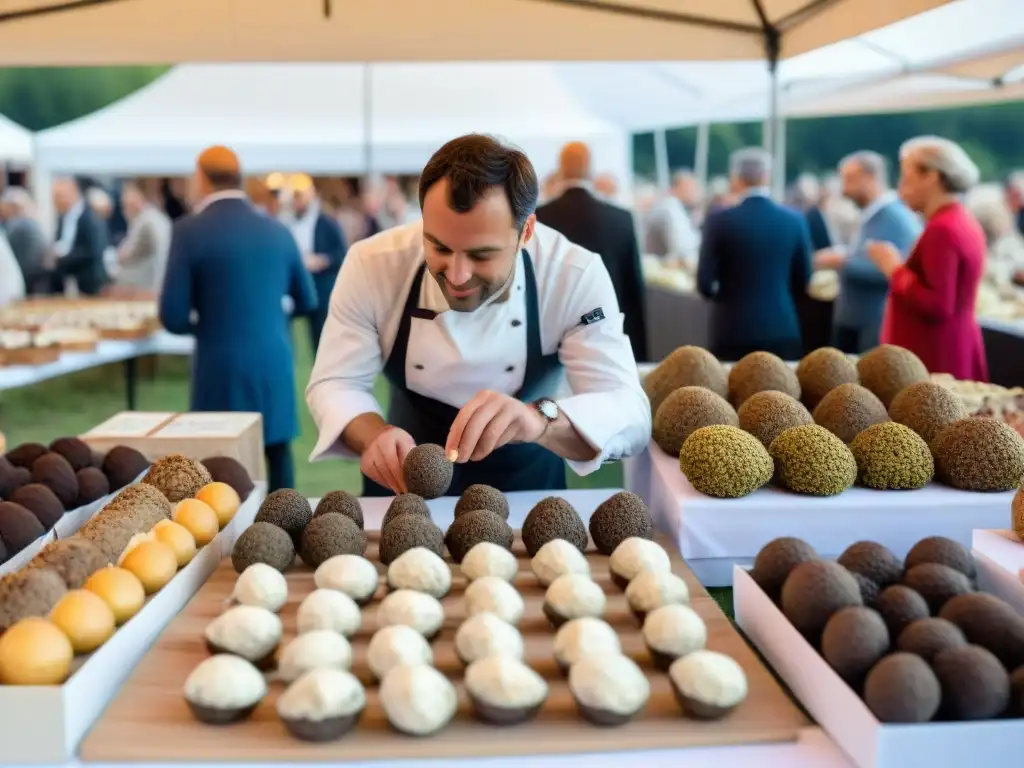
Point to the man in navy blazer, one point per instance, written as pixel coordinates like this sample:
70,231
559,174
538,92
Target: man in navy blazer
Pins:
755,258
229,269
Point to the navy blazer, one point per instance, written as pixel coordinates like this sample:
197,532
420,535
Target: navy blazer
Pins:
84,261
233,266
329,241
755,258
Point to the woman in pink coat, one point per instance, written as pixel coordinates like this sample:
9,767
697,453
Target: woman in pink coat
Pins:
930,310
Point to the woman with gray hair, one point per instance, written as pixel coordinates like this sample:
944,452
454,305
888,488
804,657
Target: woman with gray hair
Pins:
932,296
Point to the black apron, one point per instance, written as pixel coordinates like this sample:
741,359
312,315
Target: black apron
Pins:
513,467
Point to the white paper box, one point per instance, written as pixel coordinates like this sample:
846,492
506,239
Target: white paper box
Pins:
45,724
845,717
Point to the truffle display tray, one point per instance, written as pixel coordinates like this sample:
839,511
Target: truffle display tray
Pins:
150,718
45,724
30,355
847,719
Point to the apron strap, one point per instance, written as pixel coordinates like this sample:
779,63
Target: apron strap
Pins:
394,367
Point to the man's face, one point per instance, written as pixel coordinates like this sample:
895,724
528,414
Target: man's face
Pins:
685,189
857,184
470,255
132,201
301,198
64,195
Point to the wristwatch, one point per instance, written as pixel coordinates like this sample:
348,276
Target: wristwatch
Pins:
547,408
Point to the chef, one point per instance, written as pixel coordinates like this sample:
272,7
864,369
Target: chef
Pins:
501,340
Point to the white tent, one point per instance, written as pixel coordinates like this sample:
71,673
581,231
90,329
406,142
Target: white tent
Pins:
15,143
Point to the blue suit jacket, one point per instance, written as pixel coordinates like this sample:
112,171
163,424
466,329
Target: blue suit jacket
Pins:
233,266
754,259
329,241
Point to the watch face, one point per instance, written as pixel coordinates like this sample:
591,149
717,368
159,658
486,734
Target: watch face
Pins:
548,409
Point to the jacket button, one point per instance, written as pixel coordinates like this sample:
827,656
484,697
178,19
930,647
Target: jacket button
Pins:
516,323
418,367
510,368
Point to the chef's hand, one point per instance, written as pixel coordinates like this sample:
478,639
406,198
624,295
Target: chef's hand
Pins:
885,256
383,458
489,421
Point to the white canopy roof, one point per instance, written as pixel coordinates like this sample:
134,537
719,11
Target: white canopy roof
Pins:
56,32
15,142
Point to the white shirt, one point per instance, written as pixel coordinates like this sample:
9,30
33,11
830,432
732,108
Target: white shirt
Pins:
69,229
670,232
457,354
304,228
12,281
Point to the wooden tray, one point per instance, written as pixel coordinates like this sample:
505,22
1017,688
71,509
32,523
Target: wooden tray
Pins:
150,718
126,334
30,355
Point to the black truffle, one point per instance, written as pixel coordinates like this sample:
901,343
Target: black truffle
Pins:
53,471
776,559
480,496
405,504
22,477
288,509
854,640
814,591
329,535
92,485
868,589
975,686
122,465
899,606
471,528
1016,708
343,503
937,584
41,502
939,549
25,455
408,531
553,518
872,561
618,518
224,469
8,478
18,527
427,471
991,623
263,543
74,559
78,453
3,552
901,688
926,637
28,592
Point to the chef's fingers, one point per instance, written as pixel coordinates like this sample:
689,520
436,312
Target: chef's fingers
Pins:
507,436
397,460
381,465
461,420
478,422
493,432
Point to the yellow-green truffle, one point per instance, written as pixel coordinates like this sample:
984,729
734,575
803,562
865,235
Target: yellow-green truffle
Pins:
927,408
725,462
821,371
685,367
892,457
848,410
768,414
688,409
887,369
760,371
811,460
1017,513
979,454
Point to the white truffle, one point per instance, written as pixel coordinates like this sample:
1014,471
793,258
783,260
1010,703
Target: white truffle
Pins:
485,634
557,558
487,559
709,678
582,637
313,650
635,555
321,694
413,609
225,681
418,699
653,589
261,585
247,631
354,575
502,681
422,570
493,595
675,630
609,682
573,596
394,645
327,609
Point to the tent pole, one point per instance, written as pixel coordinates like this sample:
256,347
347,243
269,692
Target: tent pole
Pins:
700,155
661,167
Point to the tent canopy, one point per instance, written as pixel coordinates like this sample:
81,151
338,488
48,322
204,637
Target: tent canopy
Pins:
77,32
15,142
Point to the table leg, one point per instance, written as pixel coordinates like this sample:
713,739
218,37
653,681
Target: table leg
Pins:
130,378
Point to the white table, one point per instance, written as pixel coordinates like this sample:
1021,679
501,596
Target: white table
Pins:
715,534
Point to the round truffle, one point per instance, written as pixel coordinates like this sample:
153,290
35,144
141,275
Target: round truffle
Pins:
427,471
759,372
776,559
224,469
768,414
263,543
848,410
18,527
261,585
247,631
854,639
725,462
342,503
487,559
887,369
557,558
1016,708
177,477
10,478
618,518
872,561
927,408
634,555
485,634
289,510
1017,513
573,596
708,685
316,649
53,471
322,705
330,610
504,691
868,589
493,595
671,631
582,637
41,502
330,535
899,606
412,609
991,623
937,584
224,689
480,496
471,528
74,560
939,549
403,504
813,461
685,367
814,591
421,570
25,455
979,454
394,645
22,477
609,689
553,518
821,371
27,593
417,699
92,486
688,409
892,457
901,688
77,452
975,686
926,637
407,531
123,465
652,589
353,575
